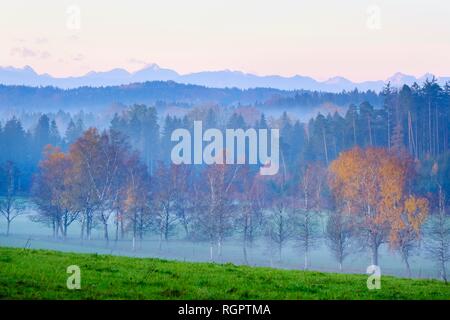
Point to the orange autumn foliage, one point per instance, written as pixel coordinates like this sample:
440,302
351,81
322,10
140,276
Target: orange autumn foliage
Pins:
370,184
55,170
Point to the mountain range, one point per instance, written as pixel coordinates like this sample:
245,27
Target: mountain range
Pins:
215,79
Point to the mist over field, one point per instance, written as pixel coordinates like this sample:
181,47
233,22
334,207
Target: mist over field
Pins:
25,234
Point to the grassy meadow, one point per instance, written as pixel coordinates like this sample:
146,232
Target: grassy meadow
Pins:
41,274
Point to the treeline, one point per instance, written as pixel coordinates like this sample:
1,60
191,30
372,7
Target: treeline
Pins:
377,172
415,118
315,98
24,148
365,196
160,92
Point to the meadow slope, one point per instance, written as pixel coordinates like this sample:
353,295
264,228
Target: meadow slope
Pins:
41,274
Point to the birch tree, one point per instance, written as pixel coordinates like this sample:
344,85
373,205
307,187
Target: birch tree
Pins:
10,205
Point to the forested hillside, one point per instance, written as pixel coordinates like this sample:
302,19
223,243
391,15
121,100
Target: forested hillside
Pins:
381,175
87,98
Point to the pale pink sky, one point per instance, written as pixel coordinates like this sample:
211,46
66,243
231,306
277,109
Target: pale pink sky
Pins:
357,39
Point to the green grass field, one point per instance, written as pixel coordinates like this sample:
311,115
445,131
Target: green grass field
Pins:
40,274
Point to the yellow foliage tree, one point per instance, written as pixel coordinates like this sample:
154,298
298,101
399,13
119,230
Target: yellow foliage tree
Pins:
369,184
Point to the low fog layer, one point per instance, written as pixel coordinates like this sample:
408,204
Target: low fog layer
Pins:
26,234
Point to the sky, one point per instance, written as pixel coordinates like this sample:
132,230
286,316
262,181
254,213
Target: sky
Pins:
356,39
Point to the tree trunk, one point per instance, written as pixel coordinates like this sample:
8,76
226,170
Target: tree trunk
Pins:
105,224
429,127
437,130
65,230
166,227
408,268
245,244
122,229
186,227
61,229
8,225
211,251
134,233
88,234
117,227
325,148
279,251
88,226
375,254
82,228
245,253
306,260
388,130
219,248
141,228
64,226
54,228
443,271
